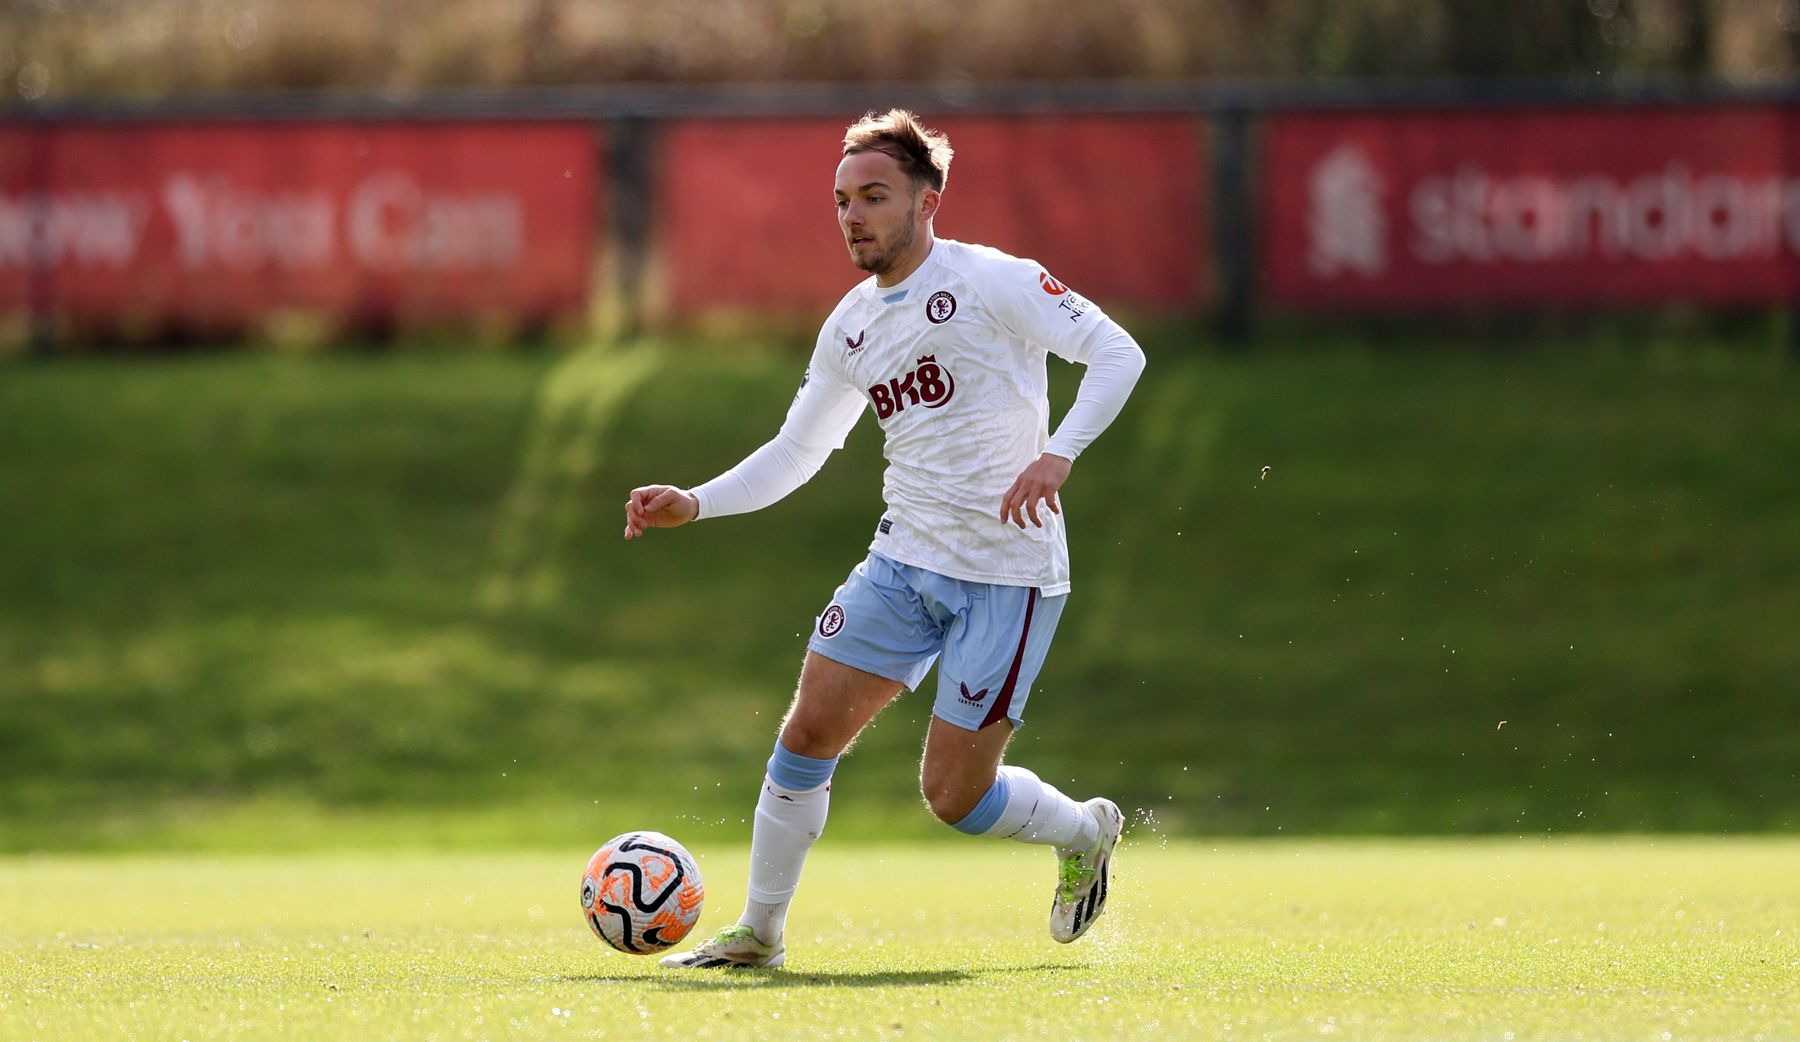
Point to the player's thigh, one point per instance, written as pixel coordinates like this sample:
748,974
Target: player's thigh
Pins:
833,704
992,655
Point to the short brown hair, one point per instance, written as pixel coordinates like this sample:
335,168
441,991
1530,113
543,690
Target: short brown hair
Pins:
924,154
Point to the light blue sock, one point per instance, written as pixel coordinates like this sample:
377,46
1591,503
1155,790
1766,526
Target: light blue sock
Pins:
988,811
800,773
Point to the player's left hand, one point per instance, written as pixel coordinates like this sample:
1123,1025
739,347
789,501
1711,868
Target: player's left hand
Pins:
1038,483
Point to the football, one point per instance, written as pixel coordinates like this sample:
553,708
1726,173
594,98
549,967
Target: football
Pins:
641,892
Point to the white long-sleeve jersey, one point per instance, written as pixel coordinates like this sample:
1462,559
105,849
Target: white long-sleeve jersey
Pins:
952,363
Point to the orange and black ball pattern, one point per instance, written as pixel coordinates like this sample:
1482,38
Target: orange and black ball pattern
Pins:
641,892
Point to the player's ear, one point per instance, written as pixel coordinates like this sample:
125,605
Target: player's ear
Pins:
928,203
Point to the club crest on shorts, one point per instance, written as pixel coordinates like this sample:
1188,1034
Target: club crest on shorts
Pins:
832,622
940,307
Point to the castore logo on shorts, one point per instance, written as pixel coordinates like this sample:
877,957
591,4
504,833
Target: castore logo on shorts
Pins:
930,385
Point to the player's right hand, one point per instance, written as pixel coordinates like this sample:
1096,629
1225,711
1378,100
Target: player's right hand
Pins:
658,506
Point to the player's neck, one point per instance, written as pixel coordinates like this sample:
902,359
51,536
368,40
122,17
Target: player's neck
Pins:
914,258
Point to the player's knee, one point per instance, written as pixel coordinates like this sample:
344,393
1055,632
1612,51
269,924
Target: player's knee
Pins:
948,799
801,737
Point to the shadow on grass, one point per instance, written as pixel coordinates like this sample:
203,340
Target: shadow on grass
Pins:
782,978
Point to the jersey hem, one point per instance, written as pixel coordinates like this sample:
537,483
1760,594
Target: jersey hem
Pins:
1046,590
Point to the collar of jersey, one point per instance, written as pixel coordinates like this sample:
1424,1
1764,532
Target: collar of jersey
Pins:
898,292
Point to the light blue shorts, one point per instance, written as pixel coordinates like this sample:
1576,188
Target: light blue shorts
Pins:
894,620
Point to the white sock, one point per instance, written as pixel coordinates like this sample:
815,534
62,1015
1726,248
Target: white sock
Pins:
1037,812
787,823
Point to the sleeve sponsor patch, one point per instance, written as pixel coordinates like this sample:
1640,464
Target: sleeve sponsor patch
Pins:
1076,305
1072,304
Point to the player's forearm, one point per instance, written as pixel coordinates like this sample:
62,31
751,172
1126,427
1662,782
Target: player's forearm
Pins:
1112,371
765,477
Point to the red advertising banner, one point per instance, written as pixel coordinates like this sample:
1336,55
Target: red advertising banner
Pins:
215,224
1559,207
1112,205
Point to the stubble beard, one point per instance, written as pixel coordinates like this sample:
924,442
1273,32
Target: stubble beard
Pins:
885,261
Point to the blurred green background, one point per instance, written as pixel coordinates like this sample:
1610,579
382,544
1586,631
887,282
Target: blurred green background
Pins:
298,591
249,599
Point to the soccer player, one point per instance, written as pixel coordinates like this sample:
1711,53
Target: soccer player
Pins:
969,567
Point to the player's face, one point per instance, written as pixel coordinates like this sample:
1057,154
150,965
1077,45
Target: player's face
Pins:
879,211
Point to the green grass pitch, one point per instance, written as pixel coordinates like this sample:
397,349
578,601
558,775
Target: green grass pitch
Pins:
1660,940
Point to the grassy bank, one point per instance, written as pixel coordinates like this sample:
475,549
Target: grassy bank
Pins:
1546,590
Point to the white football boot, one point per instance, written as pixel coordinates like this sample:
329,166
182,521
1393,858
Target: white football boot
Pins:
732,947
1082,875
